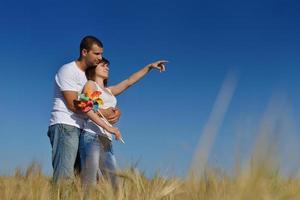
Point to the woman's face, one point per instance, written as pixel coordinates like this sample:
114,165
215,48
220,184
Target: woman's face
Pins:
102,70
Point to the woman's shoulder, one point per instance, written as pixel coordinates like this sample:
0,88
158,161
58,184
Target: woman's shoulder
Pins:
109,90
90,84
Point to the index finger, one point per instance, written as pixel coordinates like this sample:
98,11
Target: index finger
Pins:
162,61
163,68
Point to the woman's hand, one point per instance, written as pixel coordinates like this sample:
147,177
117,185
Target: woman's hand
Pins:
115,131
160,65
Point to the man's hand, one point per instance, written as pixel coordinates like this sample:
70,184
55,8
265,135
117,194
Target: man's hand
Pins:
111,114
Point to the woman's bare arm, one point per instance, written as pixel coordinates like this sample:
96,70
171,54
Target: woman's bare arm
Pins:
134,78
90,87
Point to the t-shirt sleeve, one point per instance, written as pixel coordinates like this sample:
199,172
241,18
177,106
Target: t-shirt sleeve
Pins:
66,79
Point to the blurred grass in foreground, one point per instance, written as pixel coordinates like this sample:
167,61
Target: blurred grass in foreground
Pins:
259,183
258,178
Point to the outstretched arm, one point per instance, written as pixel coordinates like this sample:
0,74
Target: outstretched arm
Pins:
122,86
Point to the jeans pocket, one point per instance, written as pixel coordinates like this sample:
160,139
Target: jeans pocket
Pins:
106,144
69,129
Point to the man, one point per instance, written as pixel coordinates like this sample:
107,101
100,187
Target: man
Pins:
66,120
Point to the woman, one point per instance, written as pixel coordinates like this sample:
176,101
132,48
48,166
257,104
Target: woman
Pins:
96,142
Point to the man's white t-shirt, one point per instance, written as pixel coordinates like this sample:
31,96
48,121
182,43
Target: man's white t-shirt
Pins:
68,78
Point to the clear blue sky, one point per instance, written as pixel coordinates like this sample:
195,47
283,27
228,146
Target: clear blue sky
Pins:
164,114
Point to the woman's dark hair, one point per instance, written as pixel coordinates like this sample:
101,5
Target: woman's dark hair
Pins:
90,72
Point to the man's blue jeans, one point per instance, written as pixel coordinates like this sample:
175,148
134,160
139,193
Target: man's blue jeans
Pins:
96,153
64,140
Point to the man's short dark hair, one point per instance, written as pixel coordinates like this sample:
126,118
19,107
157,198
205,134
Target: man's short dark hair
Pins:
88,41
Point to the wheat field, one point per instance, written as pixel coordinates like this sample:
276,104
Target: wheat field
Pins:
259,183
260,177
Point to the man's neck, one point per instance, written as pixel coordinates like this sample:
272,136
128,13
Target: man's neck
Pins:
81,64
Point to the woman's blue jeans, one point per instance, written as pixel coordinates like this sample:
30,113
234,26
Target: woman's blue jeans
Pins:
97,157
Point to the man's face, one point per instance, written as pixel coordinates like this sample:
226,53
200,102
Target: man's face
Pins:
94,56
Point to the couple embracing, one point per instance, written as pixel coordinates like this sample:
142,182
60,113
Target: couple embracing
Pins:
87,135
